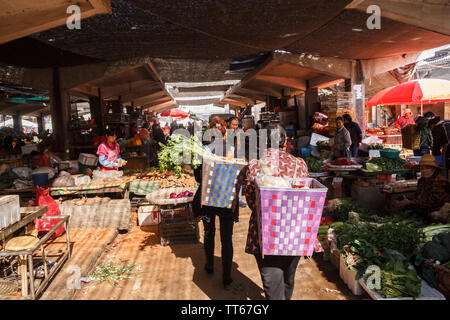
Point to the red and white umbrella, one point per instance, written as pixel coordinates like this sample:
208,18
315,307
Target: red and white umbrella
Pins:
174,113
413,92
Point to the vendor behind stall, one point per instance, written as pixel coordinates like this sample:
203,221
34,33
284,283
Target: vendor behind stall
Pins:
109,152
433,190
342,141
404,120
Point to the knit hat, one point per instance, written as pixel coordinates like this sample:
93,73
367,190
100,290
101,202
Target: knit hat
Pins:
428,160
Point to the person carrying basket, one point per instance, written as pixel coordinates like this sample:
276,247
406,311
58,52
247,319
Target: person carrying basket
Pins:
277,272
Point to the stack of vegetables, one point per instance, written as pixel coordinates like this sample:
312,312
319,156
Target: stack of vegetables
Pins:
388,164
314,165
178,147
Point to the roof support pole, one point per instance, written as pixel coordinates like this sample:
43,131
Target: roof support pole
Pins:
312,104
17,122
40,123
59,108
95,106
359,101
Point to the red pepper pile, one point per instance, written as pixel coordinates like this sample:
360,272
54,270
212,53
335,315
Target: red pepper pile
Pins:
343,162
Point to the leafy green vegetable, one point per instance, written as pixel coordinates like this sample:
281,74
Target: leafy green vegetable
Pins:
345,206
314,165
398,281
181,150
389,164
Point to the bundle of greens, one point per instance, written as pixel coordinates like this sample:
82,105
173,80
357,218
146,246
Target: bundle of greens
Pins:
400,237
389,164
314,165
348,233
341,208
429,232
181,150
360,254
397,280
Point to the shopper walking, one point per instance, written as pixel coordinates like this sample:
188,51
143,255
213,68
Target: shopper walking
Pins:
277,272
355,134
208,214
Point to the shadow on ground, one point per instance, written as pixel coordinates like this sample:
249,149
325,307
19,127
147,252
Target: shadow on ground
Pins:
243,288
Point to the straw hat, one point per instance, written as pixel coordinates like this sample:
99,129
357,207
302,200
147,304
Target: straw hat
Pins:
428,160
407,110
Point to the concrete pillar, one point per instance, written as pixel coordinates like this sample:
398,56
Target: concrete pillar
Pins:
59,108
40,123
359,101
17,122
96,109
312,104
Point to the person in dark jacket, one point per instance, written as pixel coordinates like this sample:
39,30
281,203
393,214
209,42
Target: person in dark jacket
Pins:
208,214
440,130
426,138
355,133
158,135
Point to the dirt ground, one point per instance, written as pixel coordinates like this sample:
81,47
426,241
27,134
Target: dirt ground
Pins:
175,272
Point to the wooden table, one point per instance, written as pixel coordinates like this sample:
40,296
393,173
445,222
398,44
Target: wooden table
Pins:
29,214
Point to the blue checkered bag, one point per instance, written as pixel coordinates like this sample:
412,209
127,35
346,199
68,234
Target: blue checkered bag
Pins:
219,178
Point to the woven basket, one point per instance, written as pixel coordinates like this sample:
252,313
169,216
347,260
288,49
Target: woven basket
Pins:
411,137
162,196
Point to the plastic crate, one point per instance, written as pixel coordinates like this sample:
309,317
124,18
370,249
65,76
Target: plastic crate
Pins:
391,154
289,219
179,232
9,210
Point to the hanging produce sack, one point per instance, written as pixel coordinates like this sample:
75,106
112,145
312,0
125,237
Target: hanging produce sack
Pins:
43,199
219,178
289,218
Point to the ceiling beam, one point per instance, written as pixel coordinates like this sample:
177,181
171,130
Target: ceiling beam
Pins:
242,98
373,67
267,91
129,87
326,65
149,98
21,18
161,107
257,95
283,81
324,81
234,102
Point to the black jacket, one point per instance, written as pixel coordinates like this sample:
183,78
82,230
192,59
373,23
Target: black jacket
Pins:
355,133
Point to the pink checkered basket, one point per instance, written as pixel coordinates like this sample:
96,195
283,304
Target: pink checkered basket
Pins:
289,218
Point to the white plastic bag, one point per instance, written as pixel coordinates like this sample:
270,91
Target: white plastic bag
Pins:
23,172
111,175
50,171
64,179
82,180
274,182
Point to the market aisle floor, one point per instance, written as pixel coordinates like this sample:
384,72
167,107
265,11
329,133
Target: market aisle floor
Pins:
176,272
